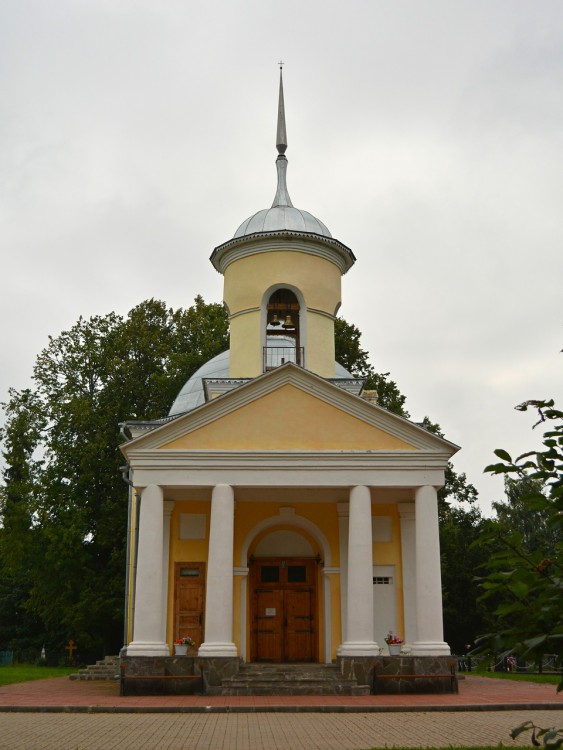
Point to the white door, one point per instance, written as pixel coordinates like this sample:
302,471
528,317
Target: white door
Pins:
384,602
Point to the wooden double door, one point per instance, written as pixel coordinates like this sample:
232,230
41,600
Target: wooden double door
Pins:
284,610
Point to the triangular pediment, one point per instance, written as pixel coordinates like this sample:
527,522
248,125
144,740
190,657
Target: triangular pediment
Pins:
290,409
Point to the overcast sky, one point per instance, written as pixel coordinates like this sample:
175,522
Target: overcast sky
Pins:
136,135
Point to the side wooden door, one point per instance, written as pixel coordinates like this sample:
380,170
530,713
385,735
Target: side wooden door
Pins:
189,597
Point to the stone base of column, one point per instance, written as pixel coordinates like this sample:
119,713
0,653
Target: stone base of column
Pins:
218,649
358,648
148,648
430,648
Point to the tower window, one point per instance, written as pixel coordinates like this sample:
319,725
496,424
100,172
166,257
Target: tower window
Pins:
282,330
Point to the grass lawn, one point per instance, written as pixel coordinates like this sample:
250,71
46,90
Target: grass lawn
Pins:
550,679
26,672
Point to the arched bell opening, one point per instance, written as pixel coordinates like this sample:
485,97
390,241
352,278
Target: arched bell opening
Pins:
283,323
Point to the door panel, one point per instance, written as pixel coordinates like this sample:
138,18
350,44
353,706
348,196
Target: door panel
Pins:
189,592
268,624
298,625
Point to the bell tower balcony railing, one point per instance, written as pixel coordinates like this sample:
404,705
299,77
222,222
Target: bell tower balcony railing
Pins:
274,356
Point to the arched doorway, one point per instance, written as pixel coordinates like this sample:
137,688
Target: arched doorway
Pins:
284,606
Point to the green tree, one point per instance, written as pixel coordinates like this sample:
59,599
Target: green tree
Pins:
102,371
526,569
350,354
19,532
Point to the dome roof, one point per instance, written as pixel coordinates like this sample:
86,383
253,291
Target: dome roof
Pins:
282,218
191,395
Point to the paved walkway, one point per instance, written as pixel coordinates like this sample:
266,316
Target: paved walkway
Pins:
475,694
61,714
263,731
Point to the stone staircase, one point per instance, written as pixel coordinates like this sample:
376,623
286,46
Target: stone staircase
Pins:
104,669
291,679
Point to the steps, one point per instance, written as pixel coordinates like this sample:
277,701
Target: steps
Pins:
104,669
291,679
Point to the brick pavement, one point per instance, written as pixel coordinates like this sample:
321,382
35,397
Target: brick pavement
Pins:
262,731
61,714
474,693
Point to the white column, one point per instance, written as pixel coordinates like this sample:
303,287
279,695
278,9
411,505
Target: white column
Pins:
359,631
168,508
343,510
408,559
430,629
219,591
147,626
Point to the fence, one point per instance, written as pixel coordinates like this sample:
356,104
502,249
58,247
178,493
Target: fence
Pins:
510,663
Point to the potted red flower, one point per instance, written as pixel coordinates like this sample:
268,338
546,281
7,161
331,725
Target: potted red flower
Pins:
394,643
182,644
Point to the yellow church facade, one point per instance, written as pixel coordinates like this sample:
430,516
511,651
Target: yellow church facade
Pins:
277,515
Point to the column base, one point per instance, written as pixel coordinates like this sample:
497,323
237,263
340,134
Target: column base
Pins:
358,648
218,649
430,648
148,648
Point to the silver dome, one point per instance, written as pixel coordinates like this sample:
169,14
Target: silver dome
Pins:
282,218
192,395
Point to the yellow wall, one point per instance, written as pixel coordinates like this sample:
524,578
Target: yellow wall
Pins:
131,566
246,346
184,550
319,351
247,279
246,282
288,419
389,553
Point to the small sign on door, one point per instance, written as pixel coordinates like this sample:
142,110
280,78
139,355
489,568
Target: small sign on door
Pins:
270,612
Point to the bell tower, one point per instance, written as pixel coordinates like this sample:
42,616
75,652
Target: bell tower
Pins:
282,283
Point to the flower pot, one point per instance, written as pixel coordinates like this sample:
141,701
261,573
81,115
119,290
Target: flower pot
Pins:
181,649
394,649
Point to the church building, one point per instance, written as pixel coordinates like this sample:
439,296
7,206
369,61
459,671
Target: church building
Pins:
276,514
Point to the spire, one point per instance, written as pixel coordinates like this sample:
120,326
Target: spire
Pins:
281,137
282,196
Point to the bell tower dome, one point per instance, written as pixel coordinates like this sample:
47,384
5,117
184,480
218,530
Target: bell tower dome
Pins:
282,283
